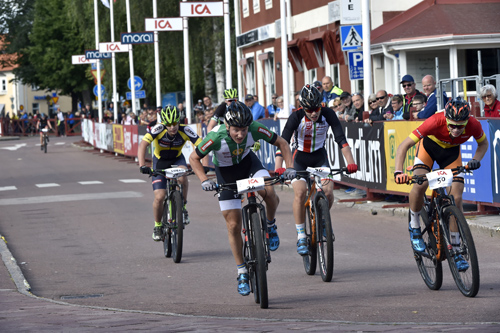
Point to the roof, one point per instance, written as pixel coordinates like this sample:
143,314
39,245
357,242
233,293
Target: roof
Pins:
433,18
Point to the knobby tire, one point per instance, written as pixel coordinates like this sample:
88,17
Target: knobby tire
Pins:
325,239
311,258
167,236
260,259
178,226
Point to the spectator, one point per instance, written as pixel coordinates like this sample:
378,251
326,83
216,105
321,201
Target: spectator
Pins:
419,103
209,112
297,102
337,106
200,104
397,105
207,103
356,113
410,91
258,110
143,117
346,99
384,101
256,98
489,96
329,90
281,112
200,114
318,86
273,107
429,86
182,113
375,110
133,118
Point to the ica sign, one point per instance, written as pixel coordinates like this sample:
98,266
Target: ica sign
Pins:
196,9
164,24
113,47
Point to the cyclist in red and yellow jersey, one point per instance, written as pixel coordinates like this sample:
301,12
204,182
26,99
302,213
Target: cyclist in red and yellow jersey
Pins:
439,139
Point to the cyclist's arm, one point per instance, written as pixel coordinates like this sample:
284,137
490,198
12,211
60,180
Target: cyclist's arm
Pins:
195,162
211,124
482,148
285,151
141,152
346,151
401,152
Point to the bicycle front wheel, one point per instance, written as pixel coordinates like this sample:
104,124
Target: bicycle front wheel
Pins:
177,226
310,259
429,267
325,239
167,235
260,260
462,257
45,145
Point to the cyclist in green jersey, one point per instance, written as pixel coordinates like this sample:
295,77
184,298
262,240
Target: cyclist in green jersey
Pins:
231,144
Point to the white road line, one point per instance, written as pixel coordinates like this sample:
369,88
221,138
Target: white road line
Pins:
47,185
90,182
8,188
128,181
59,143
69,197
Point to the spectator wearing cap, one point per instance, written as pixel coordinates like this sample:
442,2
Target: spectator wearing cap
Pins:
409,87
431,107
346,99
258,110
489,96
329,90
318,86
273,107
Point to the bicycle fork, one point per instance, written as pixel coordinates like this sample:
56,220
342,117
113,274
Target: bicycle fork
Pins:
247,227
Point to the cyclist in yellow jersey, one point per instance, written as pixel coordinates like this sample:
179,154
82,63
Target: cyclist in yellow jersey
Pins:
168,138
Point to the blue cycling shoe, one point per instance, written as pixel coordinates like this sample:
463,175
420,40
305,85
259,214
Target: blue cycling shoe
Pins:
302,248
274,240
462,264
416,239
243,286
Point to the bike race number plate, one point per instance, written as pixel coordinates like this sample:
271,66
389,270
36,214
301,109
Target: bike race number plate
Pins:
174,172
250,185
322,172
439,178
45,130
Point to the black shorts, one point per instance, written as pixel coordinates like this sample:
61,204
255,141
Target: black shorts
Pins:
316,159
159,182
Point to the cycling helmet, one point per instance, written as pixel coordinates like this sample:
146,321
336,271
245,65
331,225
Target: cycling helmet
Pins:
310,98
231,93
238,115
457,110
169,115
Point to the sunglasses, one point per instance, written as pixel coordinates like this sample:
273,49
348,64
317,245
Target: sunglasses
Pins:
487,96
311,111
171,124
456,126
381,98
371,102
274,97
408,85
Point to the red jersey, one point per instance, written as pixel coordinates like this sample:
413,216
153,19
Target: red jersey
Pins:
436,129
493,111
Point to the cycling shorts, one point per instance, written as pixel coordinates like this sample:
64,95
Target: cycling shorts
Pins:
429,152
302,160
159,182
250,166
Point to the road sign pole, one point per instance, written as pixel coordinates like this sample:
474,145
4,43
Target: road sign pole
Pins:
99,97
113,64
131,57
187,77
367,63
157,59
227,40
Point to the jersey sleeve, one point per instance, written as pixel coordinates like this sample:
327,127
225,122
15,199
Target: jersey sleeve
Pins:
261,132
291,125
334,122
477,130
207,145
193,137
219,112
153,133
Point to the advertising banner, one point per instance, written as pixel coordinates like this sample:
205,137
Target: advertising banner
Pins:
100,135
88,131
367,146
130,136
118,146
494,129
109,137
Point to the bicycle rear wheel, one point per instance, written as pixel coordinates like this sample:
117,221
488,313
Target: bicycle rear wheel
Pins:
260,260
177,226
310,259
429,267
45,144
325,239
467,279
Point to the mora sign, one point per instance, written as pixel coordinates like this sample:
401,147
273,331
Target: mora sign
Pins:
113,47
94,54
81,60
195,9
137,38
164,24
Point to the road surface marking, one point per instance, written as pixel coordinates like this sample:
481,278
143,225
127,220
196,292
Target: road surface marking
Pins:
8,188
47,185
90,182
128,181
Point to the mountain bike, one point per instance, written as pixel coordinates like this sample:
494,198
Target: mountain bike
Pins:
439,218
319,230
256,251
173,223
45,139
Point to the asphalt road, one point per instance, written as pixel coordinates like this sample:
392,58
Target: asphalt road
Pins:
79,224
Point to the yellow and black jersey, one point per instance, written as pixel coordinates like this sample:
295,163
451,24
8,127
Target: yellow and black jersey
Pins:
166,147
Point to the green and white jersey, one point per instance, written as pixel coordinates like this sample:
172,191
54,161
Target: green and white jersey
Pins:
227,152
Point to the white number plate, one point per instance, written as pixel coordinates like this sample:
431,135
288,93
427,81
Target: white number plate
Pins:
322,172
175,172
440,178
250,185
45,130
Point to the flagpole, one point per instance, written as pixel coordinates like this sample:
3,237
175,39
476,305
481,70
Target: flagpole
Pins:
131,59
99,97
113,62
227,42
157,58
187,77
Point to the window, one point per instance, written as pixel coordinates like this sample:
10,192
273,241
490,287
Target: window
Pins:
269,79
250,75
244,8
34,88
256,6
334,74
311,75
35,107
3,85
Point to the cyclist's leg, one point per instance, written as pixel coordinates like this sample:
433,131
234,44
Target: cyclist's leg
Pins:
159,195
233,224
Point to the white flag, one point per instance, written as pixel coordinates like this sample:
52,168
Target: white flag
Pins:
105,3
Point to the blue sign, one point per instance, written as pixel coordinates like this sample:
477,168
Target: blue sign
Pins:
351,37
138,94
137,83
95,54
96,90
356,65
94,65
137,38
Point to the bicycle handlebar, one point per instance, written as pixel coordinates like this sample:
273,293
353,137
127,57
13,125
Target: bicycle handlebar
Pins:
420,179
179,172
333,171
232,186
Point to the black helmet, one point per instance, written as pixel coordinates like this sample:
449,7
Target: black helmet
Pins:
310,98
238,115
457,110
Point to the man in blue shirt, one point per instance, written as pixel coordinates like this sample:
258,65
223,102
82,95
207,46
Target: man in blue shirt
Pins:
329,90
258,110
273,107
429,87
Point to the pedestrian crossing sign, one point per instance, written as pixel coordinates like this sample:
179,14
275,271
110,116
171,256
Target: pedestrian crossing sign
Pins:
351,37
